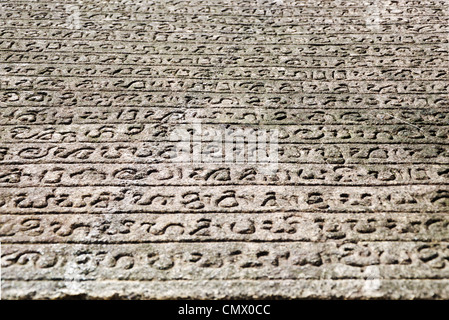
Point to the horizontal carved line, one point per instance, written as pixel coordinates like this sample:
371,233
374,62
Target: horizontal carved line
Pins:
280,142
297,24
221,184
255,279
260,212
37,162
230,92
168,13
240,43
233,108
346,55
217,79
227,66
246,123
93,242
193,4
219,32
332,214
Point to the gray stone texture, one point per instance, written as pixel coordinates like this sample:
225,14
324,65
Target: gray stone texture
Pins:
98,201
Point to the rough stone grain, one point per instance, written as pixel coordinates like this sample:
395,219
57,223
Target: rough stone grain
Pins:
127,128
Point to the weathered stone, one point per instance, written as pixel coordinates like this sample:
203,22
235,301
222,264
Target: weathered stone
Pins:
224,149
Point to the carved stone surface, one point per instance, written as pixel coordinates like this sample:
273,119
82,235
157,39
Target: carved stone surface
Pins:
99,200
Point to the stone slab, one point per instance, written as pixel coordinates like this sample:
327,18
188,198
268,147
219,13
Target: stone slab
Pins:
214,149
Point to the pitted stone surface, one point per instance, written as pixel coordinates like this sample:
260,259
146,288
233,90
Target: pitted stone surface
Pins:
98,201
